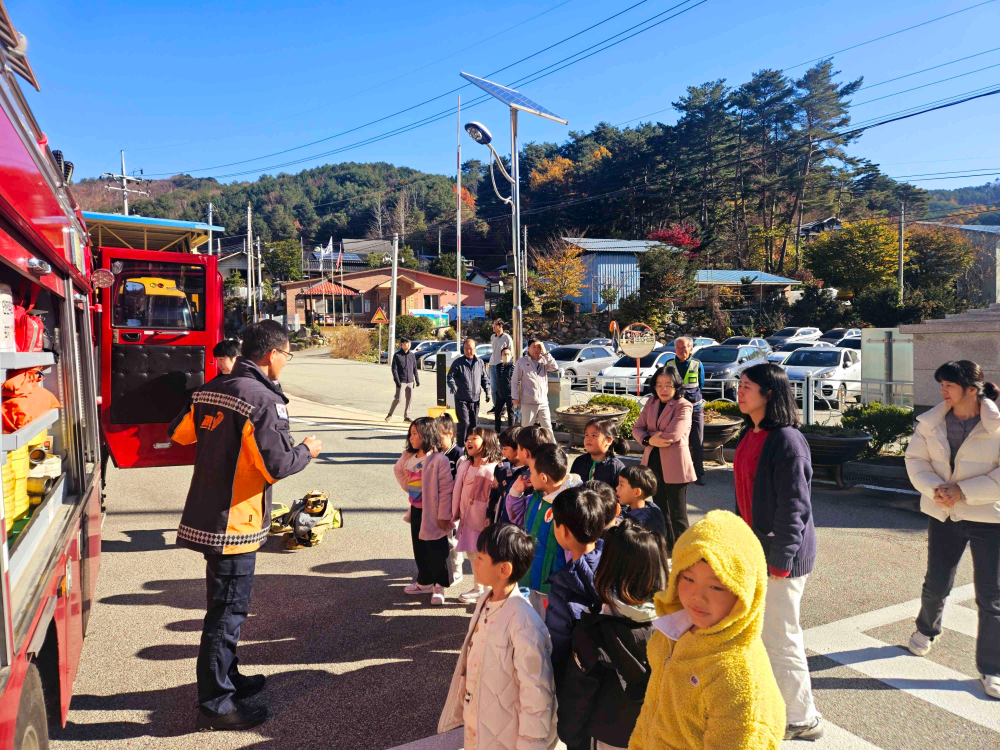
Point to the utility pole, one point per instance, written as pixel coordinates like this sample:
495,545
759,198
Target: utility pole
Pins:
458,230
902,226
249,249
392,295
259,299
123,180
439,242
210,228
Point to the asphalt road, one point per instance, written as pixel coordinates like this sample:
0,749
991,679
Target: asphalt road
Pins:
354,663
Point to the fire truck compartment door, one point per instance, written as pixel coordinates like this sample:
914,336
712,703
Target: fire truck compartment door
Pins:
152,383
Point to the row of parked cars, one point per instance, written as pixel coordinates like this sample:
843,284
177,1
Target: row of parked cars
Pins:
833,357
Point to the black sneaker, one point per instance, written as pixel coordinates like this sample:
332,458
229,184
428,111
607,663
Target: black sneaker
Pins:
247,687
241,717
811,731
700,481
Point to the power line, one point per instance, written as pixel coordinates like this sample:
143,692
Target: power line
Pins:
475,102
925,70
362,91
923,86
415,106
886,36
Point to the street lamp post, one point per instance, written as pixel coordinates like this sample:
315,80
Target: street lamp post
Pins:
479,133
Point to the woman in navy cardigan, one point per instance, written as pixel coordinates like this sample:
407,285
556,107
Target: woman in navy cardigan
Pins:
773,475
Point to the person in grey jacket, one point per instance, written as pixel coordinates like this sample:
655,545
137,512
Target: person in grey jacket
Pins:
406,376
529,385
467,380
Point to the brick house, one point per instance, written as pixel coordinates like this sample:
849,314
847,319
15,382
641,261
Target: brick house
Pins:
416,290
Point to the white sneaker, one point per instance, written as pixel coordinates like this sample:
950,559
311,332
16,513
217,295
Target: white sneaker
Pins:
991,684
437,598
457,578
471,596
415,589
920,644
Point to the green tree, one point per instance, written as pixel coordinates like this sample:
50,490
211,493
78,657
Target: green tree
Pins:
561,274
862,255
817,307
667,279
936,256
444,265
283,260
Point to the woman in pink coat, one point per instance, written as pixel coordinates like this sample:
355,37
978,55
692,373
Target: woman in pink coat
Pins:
663,428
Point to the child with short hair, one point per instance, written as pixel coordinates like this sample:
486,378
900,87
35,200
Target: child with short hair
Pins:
503,678
529,440
424,475
549,477
605,681
609,499
603,445
636,487
471,497
505,474
711,684
578,517
453,452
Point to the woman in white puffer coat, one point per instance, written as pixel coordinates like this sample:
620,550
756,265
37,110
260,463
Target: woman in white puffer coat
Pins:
953,460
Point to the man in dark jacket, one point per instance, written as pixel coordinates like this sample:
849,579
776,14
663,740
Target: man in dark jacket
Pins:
467,380
406,376
502,398
240,425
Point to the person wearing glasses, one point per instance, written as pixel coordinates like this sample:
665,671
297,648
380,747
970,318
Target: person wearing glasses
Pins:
239,425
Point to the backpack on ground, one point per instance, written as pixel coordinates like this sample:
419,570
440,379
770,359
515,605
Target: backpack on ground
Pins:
307,521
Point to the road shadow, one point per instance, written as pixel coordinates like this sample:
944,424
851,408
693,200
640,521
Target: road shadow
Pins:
352,660
139,540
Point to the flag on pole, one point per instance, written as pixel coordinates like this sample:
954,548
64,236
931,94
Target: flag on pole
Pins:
340,254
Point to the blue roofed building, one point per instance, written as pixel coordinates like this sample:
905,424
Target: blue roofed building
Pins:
611,264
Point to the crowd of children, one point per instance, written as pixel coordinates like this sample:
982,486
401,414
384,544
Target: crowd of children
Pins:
583,630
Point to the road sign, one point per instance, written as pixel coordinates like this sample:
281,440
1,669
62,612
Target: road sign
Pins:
380,317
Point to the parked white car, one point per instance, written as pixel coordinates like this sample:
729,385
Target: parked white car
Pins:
621,376
598,342
429,361
853,342
792,333
580,361
837,372
783,352
836,334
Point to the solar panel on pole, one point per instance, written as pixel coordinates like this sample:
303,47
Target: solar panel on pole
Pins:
513,99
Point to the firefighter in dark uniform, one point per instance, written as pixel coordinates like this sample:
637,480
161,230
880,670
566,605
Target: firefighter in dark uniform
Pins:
240,425
692,372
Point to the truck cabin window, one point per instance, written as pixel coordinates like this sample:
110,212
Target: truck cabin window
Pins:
158,295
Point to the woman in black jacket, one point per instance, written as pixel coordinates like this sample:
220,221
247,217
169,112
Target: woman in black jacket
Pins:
605,682
773,474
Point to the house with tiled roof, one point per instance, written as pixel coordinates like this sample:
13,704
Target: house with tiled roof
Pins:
415,290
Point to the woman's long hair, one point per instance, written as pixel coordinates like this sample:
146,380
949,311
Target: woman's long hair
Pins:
782,411
968,374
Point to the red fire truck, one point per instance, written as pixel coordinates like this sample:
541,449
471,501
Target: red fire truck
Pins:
112,316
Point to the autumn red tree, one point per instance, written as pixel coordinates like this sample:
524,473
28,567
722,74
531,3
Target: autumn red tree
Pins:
682,235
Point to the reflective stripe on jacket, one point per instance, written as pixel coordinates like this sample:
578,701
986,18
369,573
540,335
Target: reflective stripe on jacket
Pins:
240,424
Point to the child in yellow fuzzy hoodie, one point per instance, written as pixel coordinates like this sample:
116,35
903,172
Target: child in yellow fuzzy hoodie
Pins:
711,685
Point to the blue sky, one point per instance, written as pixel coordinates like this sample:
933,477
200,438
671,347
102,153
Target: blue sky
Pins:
185,85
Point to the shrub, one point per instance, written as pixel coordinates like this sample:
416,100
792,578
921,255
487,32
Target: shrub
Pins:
886,425
350,342
831,430
629,420
413,327
725,408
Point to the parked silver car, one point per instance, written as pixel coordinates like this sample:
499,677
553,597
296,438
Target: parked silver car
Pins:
580,361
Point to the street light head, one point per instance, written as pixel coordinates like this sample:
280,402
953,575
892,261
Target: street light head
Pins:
478,132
